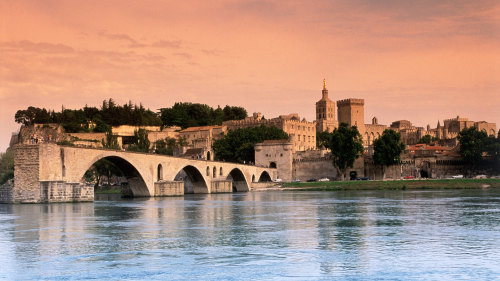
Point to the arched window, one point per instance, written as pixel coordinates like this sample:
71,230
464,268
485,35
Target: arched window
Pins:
220,171
215,172
160,172
272,165
208,156
253,178
208,171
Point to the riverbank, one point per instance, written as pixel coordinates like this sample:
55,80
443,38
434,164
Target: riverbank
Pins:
394,184
107,191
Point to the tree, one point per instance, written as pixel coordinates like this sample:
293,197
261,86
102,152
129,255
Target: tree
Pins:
238,145
492,147
387,149
234,113
26,117
166,146
111,141
141,141
323,139
473,144
100,169
346,145
77,120
186,114
100,126
6,166
427,139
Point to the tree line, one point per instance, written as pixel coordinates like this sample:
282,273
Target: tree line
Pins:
238,145
93,119
186,114
346,145
479,149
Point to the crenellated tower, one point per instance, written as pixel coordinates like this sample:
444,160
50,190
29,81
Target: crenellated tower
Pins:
352,112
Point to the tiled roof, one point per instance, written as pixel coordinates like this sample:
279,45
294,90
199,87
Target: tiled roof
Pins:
201,128
427,147
194,151
275,141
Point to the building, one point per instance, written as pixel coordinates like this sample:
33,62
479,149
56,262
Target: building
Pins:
301,132
202,138
451,127
325,112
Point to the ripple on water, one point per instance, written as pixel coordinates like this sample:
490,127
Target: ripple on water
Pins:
386,235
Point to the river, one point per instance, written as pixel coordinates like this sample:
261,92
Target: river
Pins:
390,235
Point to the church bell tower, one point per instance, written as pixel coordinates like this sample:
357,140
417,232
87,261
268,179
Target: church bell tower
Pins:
325,112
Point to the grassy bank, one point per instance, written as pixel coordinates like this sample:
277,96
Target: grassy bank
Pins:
395,184
107,191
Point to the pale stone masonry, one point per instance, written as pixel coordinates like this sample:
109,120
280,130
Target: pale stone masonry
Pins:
45,173
325,112
301,132
351,111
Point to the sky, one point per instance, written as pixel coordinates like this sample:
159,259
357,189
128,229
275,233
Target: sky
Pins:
421,61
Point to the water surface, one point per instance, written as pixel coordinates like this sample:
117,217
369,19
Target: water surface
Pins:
390,235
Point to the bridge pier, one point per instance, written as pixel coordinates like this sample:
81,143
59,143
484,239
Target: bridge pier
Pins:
169,188
221,186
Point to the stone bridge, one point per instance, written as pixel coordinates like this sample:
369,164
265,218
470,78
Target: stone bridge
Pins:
53,173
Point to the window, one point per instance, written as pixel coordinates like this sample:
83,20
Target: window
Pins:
160,172
208,171
220,171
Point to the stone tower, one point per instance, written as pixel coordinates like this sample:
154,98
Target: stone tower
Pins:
352,112
325,112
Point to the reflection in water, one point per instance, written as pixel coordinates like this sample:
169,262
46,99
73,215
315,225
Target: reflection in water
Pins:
304,235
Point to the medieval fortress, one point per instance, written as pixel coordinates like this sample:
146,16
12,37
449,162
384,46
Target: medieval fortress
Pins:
297,158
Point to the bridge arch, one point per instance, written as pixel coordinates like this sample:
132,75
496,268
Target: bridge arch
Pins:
137,186
239,181
265,177
193,180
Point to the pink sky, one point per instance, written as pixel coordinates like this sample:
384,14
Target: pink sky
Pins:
422,61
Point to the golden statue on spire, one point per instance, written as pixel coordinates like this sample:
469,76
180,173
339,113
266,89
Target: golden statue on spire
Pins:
324,84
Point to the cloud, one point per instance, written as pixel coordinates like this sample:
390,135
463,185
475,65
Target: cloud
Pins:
35,47
132,43
212,52
171,44
184,55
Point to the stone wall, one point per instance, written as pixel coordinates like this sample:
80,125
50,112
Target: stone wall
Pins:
276,154
304,169
169,188
418,168
87,139
26,174
30,188
263,185
60,191
6,192
302,133
221,186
